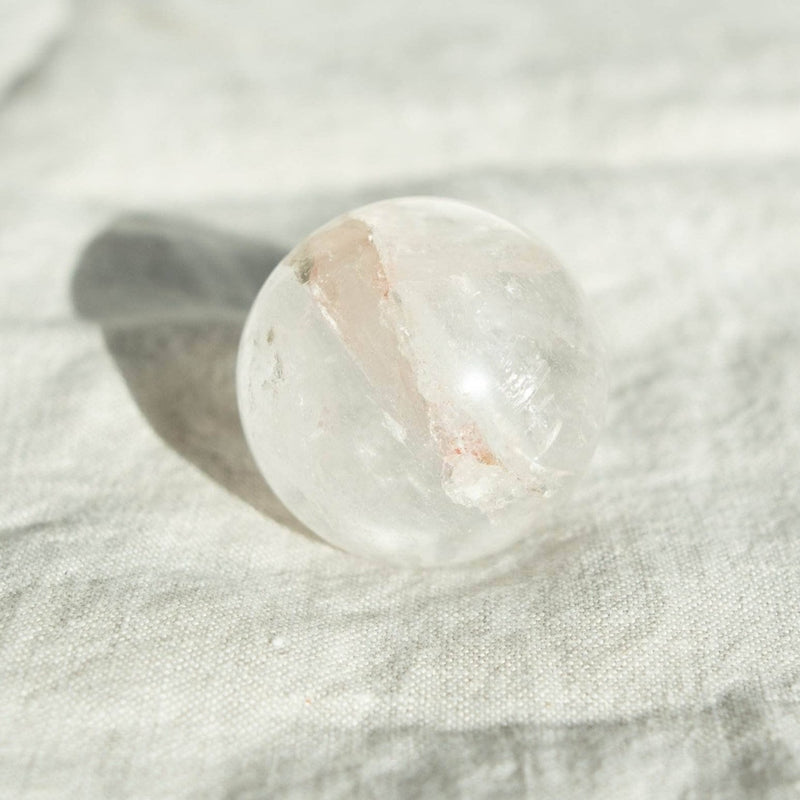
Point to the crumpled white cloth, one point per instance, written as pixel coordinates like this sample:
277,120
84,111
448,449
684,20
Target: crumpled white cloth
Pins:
27,29
166,631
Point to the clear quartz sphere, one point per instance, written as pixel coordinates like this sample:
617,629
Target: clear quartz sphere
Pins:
419,380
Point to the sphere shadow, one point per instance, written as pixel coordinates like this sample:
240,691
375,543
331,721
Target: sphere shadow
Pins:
171,297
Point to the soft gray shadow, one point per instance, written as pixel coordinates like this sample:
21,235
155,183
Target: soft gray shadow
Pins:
171,297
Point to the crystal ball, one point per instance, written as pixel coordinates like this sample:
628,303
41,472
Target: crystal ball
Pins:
419,381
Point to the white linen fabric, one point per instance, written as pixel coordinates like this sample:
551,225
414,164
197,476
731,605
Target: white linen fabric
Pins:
27,29
168,631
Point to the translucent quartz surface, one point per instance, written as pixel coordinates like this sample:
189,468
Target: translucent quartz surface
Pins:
418,380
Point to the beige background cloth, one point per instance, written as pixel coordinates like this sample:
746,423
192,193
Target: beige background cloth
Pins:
166,631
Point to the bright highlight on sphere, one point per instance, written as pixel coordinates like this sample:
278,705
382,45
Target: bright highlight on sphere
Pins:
418,380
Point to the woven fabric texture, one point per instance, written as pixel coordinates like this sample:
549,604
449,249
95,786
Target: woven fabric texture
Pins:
167,631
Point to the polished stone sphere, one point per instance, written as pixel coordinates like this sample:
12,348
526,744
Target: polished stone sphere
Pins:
419,381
